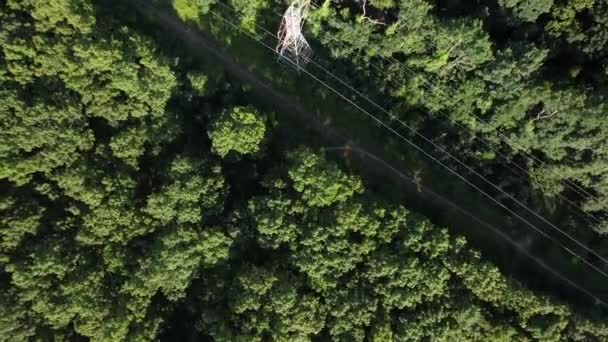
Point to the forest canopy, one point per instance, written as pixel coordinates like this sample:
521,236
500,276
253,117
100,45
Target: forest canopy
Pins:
147,194
527,76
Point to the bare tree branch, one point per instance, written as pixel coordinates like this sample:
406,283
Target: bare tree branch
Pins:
373,21
544,115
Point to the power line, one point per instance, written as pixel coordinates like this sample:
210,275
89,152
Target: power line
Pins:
540,262
571,184
571,206
497,231
235,26
414,145
445,152
543,166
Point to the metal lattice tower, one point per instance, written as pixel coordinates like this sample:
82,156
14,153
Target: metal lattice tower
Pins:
292,45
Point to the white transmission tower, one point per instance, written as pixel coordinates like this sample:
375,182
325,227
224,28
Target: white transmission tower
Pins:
292,45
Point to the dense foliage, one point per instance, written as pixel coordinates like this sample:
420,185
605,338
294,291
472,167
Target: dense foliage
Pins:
527,76
143,197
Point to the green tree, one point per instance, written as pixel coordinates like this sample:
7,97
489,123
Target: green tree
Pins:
240,130
195,192
118,224
59,75
528,10
320,183
191,10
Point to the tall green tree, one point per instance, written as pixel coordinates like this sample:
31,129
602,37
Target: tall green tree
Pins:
239,130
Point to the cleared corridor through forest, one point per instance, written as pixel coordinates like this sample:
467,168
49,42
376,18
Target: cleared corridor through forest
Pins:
478,223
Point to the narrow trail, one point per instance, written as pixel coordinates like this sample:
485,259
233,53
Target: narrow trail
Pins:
373,160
